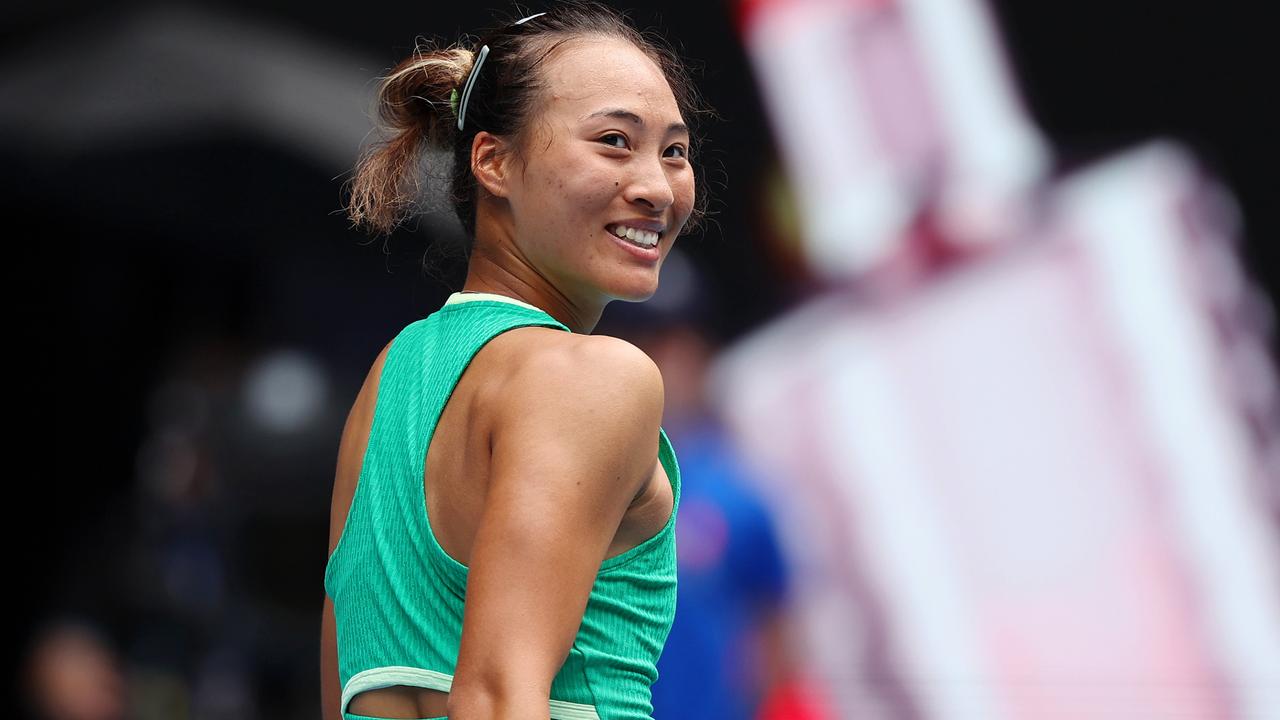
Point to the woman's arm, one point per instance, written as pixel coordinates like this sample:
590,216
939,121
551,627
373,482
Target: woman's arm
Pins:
351,450
330,692
574,441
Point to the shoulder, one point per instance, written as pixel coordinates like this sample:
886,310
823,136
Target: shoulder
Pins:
352,446
582,409
591,372
577,426
376,368
360,417
369,389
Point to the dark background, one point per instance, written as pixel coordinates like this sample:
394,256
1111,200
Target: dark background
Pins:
202,250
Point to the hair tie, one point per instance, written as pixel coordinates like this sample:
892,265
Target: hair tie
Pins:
460,108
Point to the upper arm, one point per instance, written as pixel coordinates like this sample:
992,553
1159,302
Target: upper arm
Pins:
351,448
574,440
355,439
330,682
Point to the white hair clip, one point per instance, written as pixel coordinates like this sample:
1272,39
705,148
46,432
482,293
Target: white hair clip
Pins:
475,72
471,81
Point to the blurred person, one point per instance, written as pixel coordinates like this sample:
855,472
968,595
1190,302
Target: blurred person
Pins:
728,654
71,672
519,563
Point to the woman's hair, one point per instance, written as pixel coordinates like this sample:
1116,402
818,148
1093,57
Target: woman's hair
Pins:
414,103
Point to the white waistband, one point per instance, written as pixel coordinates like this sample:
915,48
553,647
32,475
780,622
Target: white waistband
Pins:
381,677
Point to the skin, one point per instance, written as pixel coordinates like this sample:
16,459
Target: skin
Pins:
544,462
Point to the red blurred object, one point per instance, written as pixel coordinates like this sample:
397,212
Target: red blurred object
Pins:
795,700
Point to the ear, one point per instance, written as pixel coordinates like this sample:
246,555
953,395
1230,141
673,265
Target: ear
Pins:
491,162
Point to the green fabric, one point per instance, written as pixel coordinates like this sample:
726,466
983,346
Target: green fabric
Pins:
398,597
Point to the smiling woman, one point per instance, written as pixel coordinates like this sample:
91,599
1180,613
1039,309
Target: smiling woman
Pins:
502,531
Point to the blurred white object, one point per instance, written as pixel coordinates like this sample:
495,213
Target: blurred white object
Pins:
168,71
285,391
1031,491
882,108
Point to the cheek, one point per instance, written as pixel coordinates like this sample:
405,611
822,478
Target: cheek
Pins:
683,187
589,186
574,180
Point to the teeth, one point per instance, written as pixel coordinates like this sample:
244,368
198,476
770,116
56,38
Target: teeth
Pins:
636,235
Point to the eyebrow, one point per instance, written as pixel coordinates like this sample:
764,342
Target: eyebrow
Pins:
622,114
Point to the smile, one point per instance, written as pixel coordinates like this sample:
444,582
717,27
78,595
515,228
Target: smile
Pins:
647,238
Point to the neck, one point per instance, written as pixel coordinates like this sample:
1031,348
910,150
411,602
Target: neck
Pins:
498,267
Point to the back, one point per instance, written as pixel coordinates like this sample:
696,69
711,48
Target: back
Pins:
398,596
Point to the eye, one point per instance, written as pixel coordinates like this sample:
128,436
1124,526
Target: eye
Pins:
608,140
680,151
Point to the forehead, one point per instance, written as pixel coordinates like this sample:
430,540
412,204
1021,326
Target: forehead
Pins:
587,74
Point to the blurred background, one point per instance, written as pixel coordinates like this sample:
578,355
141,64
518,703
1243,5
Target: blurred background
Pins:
971,378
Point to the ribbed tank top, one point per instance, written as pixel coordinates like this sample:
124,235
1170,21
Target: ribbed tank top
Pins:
398,597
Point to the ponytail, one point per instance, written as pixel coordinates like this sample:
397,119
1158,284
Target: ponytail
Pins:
413,107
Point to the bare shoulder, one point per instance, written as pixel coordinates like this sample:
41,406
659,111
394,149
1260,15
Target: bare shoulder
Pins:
580,376
362,408
583,409
352,446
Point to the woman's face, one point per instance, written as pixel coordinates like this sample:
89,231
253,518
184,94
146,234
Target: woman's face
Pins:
607,154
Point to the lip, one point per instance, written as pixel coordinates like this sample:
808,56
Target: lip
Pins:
651,225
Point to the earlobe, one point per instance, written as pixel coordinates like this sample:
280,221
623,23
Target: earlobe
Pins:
489,163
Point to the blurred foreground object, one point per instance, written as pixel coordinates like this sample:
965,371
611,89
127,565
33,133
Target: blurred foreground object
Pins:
1043,486
885,107
1023,442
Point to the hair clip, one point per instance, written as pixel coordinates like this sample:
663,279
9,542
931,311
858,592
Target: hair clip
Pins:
471,81
461,107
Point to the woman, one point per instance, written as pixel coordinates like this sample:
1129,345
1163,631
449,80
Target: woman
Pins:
501,541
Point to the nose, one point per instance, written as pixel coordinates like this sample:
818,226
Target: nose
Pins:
649,185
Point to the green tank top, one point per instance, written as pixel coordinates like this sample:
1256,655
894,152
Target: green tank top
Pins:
398,597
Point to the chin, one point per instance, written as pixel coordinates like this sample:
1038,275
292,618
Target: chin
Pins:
632,297
635,294
631,285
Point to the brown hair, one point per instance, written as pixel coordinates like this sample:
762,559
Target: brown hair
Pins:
413,102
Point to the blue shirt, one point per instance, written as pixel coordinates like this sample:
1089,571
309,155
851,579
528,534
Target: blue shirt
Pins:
730,569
